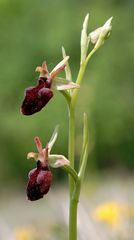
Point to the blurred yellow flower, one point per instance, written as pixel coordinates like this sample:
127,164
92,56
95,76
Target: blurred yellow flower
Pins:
112,213
24,233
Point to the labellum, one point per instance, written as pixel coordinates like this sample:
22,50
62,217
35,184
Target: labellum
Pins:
37,97
39,183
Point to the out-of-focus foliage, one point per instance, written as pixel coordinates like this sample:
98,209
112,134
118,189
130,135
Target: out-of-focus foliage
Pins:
33,31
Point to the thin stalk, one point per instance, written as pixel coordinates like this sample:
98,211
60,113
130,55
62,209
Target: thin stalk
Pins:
73,220
74,188
71,145
78,81
80,75
72,203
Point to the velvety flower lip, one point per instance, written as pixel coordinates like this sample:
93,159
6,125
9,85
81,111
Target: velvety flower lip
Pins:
37,97
39,183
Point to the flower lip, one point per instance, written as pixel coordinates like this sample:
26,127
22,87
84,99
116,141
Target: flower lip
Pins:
39,183
37,97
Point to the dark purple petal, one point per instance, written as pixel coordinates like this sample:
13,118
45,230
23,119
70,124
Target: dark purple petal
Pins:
39,183
37,97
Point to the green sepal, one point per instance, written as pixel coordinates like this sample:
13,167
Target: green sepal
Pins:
60,161
62,84
56,161
67,68
60,64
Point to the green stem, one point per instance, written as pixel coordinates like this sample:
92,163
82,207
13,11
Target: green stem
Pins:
74,187
72,204
81,74
73,220
71,145
78,81
90,55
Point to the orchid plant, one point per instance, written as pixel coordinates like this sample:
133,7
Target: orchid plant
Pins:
40,178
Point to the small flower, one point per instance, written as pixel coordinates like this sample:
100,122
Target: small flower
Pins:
37,97
113,213
40,178
108,212
25,233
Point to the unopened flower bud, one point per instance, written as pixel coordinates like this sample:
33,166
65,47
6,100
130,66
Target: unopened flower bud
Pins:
84,39
101,34
95,35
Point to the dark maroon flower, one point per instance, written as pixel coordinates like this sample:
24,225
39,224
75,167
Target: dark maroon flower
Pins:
37,97
39,183
40,178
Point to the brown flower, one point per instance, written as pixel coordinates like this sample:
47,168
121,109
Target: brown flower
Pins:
40,180
37,97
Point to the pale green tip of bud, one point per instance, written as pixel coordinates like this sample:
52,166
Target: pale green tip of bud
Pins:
108,24
63,52
107,27
85,23
84,39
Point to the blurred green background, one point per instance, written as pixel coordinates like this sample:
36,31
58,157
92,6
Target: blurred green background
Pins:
34,31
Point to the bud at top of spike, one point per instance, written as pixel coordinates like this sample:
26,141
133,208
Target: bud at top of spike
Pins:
99,35
84,39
